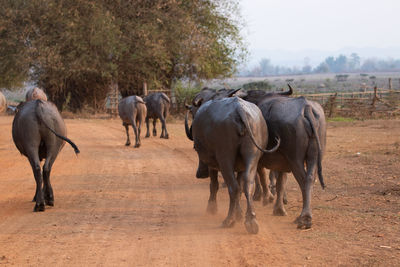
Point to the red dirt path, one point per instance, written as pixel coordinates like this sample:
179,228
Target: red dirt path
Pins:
120,206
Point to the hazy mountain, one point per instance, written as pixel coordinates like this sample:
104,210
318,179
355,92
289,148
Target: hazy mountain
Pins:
314,57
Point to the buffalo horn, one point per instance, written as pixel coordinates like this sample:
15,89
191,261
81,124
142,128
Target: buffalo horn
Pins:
187,130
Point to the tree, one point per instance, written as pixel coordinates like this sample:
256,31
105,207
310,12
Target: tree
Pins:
355,60
266,67
14,63
75,49
322,68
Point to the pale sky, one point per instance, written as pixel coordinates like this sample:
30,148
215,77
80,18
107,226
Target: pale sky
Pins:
326,25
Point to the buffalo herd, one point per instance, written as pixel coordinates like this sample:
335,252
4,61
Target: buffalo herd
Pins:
238,133
300,126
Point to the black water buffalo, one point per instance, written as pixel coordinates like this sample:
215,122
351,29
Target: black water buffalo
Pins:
132,111
158,105
300,123
39,133
229,136
203,96
35,93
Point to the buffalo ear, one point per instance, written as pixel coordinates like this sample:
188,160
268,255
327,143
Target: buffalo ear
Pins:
197,102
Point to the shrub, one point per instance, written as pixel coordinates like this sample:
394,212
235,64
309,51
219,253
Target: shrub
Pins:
184,93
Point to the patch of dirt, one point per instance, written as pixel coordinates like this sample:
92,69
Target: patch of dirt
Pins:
121,206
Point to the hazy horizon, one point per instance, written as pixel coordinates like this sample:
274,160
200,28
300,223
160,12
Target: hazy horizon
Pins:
287,31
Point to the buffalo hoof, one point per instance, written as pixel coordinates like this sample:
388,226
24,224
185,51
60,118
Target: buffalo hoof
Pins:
166,136
251,226
34,199
268,200
303,222
147,135
285,200
154,133
127,143
50,202
212,207
228,223
137,145
279,211
39,207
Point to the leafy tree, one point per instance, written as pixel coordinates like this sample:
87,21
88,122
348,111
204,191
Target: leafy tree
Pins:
14,50
75,49
266,67
355,60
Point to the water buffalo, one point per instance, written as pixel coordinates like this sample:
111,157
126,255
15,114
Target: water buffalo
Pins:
300,123
3,102
158,105
229,135
39,133
203,96
35,93
132,111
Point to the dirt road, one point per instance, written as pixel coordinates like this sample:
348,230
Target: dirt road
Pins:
120,206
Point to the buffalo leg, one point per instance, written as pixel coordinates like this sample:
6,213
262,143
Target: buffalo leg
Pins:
238,208
273,175
305,182
154,127
258,192
214,185
267,195
128,141
272,181
135,130
47,188
39,198
279,208
234,191
139,126
164,133
147,127
248,182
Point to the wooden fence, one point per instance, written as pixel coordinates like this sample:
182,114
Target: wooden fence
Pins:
376,103
113,98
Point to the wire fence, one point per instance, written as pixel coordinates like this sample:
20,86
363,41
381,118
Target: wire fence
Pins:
376,103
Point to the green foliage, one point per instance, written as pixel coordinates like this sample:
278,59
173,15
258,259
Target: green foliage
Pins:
185,93
77,48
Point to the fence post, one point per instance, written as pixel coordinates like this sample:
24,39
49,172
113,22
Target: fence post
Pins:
390,83
374,100
113,96
144,88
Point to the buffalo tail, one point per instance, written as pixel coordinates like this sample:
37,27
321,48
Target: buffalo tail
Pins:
39,116
246,124
308,114
187,130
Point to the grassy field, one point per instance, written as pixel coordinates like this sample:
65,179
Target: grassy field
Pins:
315,83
